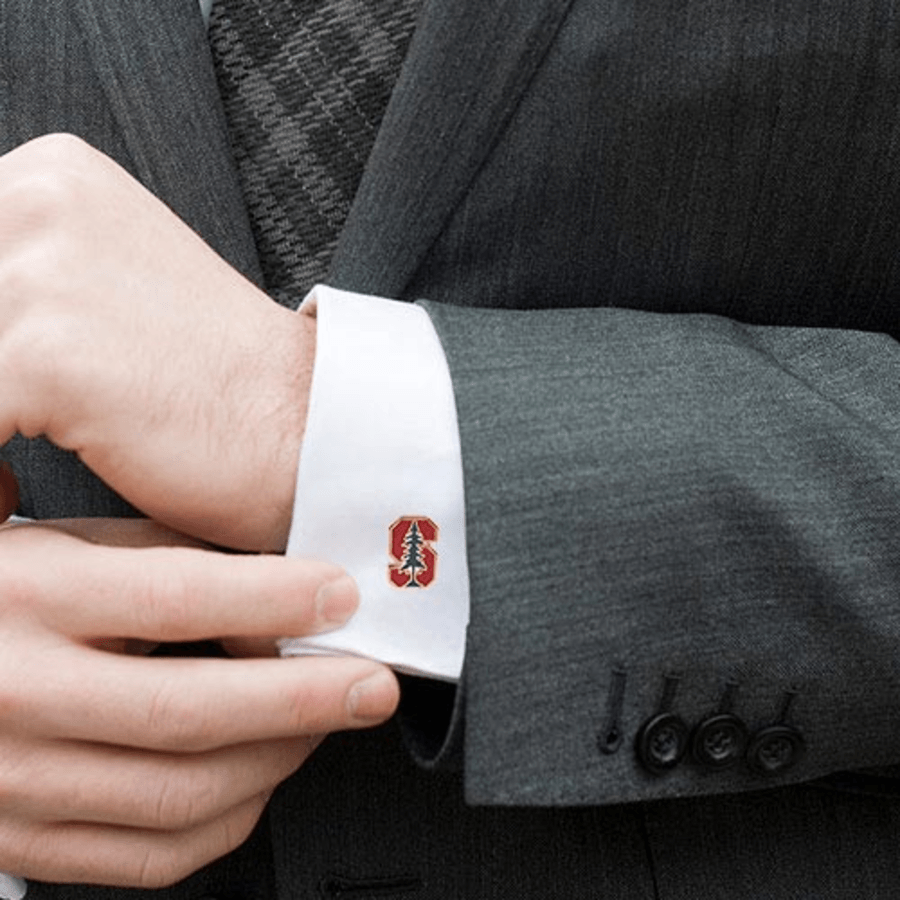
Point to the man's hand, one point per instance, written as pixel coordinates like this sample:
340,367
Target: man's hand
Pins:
130,770
125,338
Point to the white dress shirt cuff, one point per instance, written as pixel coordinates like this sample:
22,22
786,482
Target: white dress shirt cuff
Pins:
380,485
12,888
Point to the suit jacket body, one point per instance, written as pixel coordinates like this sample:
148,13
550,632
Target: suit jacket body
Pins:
657,242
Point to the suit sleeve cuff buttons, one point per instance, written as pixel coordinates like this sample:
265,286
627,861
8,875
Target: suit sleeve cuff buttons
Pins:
719,742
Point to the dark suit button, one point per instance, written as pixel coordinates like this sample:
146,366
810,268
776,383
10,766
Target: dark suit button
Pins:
775,749
661,742
719,741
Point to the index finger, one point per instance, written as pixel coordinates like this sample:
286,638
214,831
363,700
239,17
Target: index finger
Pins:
196,705
170,594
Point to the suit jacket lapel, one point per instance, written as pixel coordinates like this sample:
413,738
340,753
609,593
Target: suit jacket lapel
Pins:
153,62
134,79
465,72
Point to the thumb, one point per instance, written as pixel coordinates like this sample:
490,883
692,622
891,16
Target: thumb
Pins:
9,491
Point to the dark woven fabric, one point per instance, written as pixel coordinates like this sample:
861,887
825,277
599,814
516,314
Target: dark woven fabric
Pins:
305,84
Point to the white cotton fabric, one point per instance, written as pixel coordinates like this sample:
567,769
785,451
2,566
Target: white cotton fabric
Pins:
12,888
382,443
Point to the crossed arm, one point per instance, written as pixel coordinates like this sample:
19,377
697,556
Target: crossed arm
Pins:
128,341
118,768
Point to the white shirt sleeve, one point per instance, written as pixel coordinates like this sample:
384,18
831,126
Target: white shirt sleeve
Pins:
380,485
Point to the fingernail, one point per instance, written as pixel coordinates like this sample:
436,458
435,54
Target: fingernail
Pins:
374,698
336,602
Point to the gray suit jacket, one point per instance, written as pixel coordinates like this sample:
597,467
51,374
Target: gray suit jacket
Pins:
658,246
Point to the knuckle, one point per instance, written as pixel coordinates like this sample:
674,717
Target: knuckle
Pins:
18,277
183,803
41,196
170,721
19,283
162,868
21,599
60,146
165,864
178,722
236,828
38,199
37,338
54,184
16,779
164,592
173,860
37,354
15,584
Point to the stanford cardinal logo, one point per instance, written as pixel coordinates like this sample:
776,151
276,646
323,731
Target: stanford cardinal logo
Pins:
413,559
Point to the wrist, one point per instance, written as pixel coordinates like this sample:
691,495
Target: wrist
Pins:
280,423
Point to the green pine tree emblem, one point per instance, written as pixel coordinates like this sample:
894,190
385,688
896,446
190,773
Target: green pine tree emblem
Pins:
413,561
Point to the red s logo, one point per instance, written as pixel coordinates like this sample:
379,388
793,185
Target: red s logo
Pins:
413,558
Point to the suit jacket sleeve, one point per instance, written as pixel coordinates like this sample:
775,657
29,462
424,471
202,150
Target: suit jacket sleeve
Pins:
666,286
660,500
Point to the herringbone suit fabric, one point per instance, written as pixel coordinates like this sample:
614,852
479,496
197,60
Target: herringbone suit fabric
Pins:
636,499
